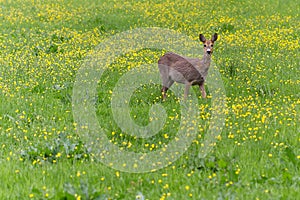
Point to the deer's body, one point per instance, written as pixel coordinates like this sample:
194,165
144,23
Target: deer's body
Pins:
188,71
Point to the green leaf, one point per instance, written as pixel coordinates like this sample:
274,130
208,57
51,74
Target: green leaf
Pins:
222,164
291,155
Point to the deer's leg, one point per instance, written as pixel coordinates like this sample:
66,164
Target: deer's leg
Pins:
164,75
202,88
165,88
186,90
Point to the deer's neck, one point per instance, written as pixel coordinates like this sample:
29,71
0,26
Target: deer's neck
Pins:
205,61
204,65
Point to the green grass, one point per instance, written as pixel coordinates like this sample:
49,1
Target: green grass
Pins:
44,44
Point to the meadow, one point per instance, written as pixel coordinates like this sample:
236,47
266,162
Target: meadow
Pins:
256,154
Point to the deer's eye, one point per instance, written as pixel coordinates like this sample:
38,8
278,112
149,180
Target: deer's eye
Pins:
212,45
205,45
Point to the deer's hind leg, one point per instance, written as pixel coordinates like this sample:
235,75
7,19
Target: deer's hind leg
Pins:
165,88
167,82
186,90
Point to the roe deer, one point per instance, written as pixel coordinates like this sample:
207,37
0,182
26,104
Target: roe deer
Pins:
189,71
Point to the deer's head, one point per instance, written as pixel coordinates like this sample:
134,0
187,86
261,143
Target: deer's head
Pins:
208,44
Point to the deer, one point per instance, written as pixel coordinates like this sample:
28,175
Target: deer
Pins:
188,71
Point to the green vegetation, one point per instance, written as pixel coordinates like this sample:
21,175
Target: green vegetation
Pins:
44,43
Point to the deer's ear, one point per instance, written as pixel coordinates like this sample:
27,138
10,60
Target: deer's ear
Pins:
202,38
214,37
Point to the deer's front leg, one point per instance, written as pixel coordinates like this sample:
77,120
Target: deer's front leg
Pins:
202,88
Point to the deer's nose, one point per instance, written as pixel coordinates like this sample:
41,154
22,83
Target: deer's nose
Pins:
208,51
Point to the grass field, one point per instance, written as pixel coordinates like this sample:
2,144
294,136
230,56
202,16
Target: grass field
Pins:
43,45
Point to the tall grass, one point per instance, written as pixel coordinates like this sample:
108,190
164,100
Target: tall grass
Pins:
44,44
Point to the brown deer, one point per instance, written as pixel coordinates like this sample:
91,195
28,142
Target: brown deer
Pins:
188,71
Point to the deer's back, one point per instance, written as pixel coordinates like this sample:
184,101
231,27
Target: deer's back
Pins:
182,69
